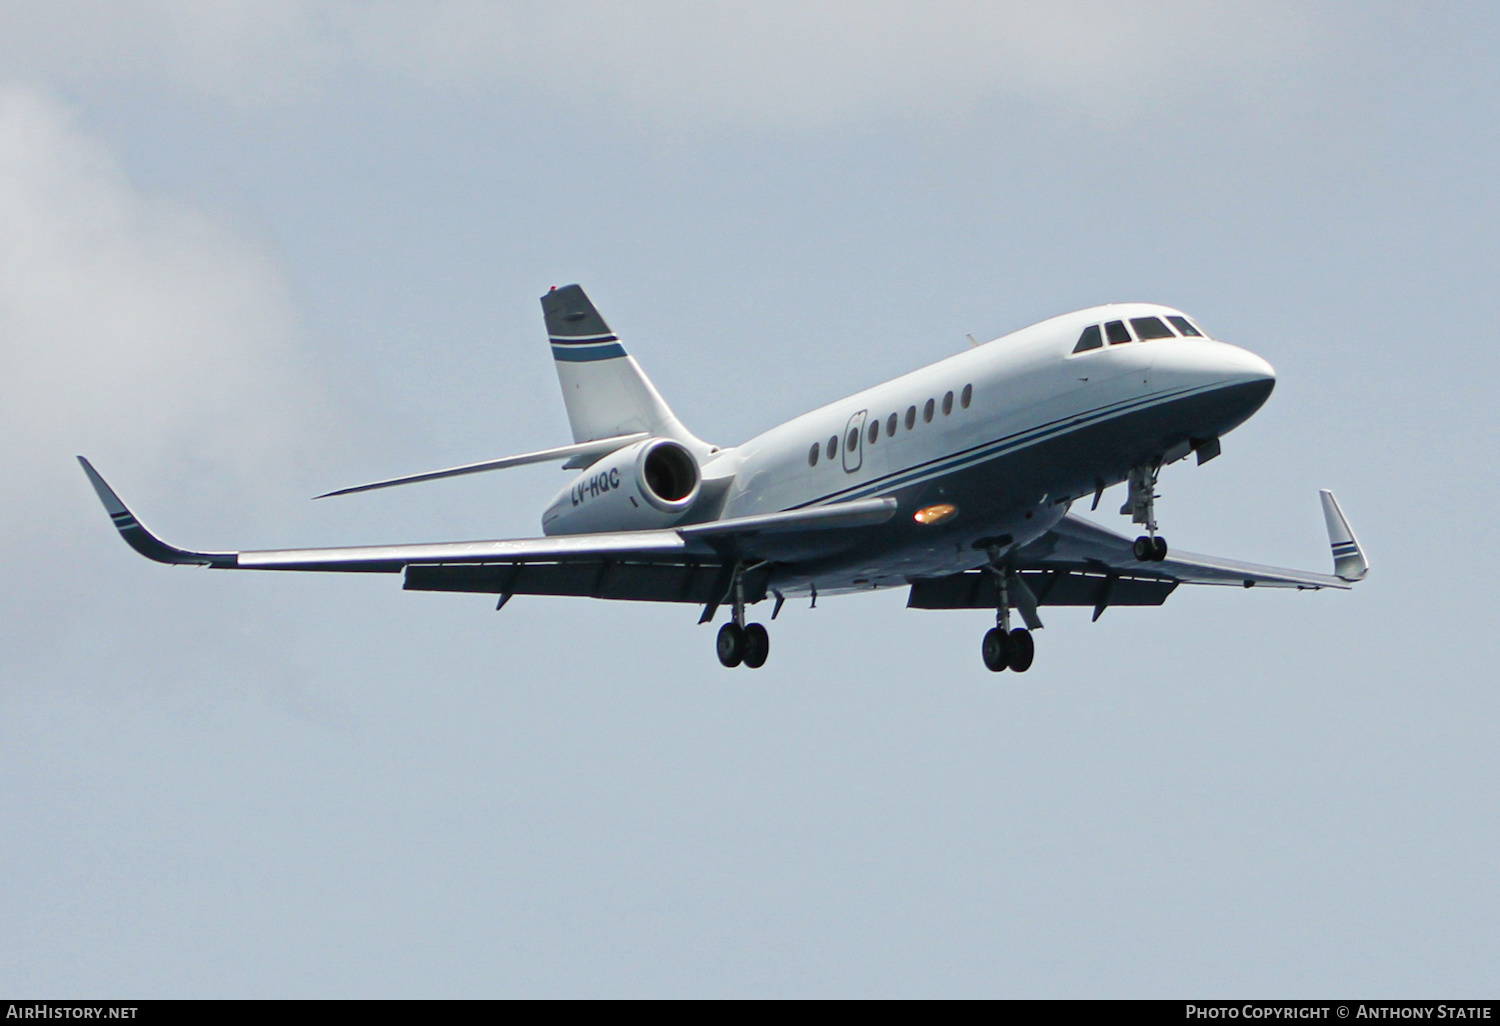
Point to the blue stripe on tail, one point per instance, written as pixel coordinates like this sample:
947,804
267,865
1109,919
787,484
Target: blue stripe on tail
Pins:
587,354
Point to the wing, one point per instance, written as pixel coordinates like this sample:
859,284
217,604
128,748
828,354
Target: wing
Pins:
692,564
1080,545
1079,563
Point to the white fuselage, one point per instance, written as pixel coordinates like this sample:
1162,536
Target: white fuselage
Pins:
946,426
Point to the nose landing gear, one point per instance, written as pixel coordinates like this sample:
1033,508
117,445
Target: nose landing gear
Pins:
1141,505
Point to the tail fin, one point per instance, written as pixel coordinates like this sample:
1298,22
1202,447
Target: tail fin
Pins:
1348,558
606,392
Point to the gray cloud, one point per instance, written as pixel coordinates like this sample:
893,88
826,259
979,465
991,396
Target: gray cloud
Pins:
139,331
131,321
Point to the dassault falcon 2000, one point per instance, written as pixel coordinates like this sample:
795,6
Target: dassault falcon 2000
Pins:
954,481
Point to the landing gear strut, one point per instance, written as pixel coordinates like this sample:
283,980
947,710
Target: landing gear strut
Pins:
1003,647
739,642
1141,505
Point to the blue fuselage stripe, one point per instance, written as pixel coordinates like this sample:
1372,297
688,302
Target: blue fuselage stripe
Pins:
989,450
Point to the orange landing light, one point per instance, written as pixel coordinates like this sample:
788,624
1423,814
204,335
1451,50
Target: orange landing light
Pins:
935,514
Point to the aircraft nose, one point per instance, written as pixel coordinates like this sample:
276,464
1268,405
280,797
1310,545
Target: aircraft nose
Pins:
1194,363
1242,367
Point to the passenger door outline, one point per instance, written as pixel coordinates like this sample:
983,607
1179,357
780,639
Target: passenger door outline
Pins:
854,457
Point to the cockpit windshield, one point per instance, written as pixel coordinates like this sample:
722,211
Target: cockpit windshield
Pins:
1145,328
1150,327
1090,339
1185,326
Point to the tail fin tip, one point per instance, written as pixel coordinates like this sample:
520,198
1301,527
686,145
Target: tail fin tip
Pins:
605,391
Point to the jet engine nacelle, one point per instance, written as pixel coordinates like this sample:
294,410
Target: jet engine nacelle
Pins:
650,484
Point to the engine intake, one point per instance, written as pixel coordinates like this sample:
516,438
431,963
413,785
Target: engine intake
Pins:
650,484
671,475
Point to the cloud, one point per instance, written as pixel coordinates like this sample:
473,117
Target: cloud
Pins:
771,62
128,321
140,332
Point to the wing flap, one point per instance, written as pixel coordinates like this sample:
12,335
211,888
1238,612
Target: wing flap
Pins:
976,589
698,583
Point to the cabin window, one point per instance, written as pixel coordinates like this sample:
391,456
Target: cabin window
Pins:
966,397
812,455
1185,326
1090,339
1116,332
947,404
927,411
833,446
1150,327
874,433
911,417
852,442
890,426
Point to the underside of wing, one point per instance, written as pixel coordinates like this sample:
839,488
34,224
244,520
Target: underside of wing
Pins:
1080,545
1079,563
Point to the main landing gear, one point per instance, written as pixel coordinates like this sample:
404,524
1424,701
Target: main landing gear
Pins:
749,644
1141,505
741,642
1003,647
1008,649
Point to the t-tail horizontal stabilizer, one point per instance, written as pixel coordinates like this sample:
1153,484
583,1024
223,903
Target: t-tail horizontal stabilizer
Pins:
1349,560
582,454
142,540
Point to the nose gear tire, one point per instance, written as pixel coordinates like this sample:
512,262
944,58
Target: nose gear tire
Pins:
1150,550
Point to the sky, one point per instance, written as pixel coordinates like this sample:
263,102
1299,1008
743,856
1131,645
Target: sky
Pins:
253,252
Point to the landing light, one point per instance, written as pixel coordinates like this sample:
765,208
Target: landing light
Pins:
935,514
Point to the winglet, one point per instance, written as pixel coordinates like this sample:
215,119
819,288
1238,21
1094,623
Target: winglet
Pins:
142,540
1349,561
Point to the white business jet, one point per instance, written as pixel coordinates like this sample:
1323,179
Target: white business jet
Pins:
954,481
